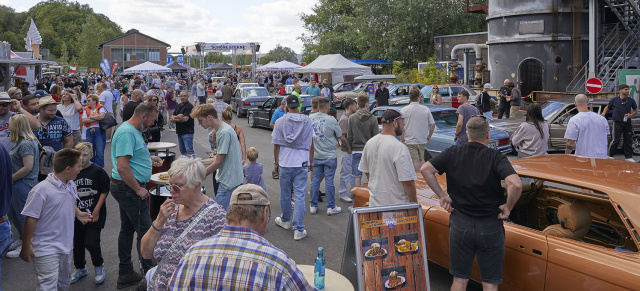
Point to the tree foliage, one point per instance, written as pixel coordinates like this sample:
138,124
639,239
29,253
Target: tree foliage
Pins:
400,30
278,54
68,29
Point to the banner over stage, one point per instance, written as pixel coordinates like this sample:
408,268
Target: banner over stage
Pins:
226,46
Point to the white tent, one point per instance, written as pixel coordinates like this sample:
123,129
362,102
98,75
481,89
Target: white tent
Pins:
146,68
279,66
336,66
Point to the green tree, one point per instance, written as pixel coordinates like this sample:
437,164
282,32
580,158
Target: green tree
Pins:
64,54
282,53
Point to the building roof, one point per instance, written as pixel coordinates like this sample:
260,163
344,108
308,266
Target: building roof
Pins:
129,32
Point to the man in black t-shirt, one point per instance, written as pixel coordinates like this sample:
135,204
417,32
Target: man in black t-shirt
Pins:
624,108
93,187
504,107
476,202
130,107
184,124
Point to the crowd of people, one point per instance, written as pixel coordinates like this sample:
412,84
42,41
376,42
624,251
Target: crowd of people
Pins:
54,141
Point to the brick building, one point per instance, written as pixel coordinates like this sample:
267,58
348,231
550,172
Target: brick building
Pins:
134,48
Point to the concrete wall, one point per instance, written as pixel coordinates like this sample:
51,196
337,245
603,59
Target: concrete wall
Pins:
540,30
445,43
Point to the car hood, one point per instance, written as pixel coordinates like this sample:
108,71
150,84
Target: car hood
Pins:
399,100
509,125
494,134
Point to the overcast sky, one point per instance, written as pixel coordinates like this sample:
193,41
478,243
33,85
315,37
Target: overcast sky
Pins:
184,22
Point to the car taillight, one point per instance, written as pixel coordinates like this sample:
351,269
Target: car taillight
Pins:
246,103
504,141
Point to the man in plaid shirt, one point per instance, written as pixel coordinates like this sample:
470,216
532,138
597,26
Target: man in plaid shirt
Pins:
239,257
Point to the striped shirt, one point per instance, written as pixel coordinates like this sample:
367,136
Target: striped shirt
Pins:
237,258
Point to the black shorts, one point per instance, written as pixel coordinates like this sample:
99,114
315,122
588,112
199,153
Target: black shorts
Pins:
476,236
202,99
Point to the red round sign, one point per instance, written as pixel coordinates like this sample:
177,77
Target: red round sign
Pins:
594,85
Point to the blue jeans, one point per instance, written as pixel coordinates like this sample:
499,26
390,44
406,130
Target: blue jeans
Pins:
223,196
488,114
98,140
328,167
6,238
355,162
293,178
185,141
134,218
20,192
346,177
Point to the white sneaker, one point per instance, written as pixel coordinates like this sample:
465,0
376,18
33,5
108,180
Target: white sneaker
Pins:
630,160
313,209
15,244
346,198
172,129
286,225
334,210
298,235
15,253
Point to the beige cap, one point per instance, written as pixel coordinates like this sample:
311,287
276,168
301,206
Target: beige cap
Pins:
46,101
249,194
12,90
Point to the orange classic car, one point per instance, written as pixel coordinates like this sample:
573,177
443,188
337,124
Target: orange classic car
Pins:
576,225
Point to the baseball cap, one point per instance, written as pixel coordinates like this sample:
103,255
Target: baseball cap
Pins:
46,101
4,97
249,194
292,101
391,115
488,86
12,90
41,93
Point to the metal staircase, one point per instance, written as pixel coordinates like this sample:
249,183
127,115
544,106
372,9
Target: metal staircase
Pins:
619,49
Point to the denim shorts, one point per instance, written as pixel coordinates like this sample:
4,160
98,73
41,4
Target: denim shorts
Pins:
355,162
476,236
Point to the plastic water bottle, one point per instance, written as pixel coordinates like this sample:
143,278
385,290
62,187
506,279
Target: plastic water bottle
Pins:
318,279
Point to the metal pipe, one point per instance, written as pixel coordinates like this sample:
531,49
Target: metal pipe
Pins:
592,38
476,47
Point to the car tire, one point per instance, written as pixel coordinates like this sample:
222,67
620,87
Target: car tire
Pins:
251,120
427,156
240,114
636,144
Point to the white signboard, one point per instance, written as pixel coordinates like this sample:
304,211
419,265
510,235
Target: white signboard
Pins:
226,46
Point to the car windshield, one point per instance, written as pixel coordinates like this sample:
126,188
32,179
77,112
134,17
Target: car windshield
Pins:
358,88
549,109
255,92
445,119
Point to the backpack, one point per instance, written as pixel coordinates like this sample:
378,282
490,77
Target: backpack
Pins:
46,159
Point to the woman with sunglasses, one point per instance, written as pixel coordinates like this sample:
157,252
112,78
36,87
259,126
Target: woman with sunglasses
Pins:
187,217
91,116
532,137
436,98
70,109
153,133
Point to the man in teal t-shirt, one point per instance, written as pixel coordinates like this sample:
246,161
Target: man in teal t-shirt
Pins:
325,156
313,90
131,171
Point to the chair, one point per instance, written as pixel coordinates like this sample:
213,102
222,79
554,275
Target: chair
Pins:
575,221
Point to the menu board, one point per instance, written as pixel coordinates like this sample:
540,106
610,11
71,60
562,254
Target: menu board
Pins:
390,248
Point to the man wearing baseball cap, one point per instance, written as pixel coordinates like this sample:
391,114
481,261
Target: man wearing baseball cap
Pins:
483,102
292,140
6,103
239,253
387,163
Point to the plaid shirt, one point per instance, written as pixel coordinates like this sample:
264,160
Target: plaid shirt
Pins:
220,106
237,258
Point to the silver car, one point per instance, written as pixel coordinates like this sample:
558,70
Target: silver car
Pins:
246,98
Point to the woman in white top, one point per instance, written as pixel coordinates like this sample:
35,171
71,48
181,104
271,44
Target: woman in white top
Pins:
93,113
70,108
436,98
532,137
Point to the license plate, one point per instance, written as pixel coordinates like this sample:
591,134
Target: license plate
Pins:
254,103
493,144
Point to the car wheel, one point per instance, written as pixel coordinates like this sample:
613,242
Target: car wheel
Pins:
240,114
636,144
251,121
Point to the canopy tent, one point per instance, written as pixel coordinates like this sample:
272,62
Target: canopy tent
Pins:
175,67
279,66
219,67
336,66
146,68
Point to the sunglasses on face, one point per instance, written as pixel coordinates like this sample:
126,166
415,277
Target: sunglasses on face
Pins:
175,188
5,104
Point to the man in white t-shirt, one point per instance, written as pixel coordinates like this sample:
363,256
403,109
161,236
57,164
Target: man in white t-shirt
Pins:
587,131
387,164
417,118
106,99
